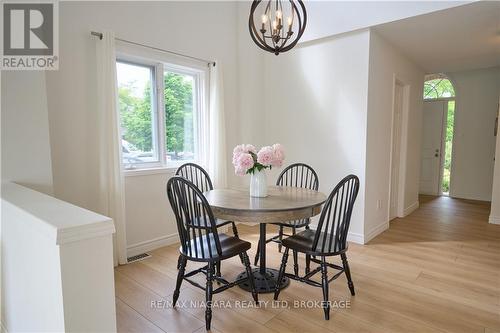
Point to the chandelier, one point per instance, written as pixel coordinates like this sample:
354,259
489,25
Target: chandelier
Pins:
281,24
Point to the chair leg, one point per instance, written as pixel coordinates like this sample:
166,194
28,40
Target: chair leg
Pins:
281,274
217,268
246,262
295,263
347,273
280,234
235,230
257,254
308,263
295,257
180,276
208,295
324,285
179,262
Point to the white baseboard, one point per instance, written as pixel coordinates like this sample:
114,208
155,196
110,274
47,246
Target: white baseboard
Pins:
149,245
376,231
411,208
355,238
494,219
363,239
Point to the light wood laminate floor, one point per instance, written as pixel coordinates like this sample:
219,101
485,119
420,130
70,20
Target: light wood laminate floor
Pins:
437,270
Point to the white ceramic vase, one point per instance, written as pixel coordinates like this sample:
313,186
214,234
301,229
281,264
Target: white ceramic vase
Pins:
258,184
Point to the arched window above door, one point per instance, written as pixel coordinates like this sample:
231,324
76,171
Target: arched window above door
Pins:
438,86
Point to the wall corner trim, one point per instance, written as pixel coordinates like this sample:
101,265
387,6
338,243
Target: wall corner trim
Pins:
356,238
411,208
494,219
376,231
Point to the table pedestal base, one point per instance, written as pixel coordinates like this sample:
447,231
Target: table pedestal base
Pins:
264,283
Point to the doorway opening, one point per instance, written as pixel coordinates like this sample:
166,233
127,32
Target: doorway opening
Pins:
437,136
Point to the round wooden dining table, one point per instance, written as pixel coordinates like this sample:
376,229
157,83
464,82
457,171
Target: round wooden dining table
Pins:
282,204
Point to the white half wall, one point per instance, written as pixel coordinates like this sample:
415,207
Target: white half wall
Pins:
387,64
26,155
316,102
477,94
57,265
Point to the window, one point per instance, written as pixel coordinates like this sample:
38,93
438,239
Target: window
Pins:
162,112
137,113
438,86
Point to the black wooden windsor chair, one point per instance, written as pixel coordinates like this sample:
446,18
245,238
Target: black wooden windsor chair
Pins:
201,242
199,177
294,175
329,239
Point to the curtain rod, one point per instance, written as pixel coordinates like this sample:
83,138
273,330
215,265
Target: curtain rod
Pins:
100,36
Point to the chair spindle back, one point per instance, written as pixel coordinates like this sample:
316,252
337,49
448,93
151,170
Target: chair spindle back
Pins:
197,175
335,217
195,220
299,175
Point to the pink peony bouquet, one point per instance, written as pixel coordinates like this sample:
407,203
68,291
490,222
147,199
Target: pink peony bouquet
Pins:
247,160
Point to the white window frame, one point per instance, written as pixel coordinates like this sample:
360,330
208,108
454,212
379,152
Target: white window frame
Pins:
155,112
162,62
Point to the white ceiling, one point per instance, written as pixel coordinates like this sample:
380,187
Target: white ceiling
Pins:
328,18
454,39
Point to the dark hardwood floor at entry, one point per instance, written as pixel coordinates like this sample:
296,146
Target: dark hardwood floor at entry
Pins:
437,270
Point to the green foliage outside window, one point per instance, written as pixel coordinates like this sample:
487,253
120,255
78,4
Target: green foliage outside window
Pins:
448,146
136,117
179,113
136,114
438,88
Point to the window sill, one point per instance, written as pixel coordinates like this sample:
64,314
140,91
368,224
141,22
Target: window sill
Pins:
149,171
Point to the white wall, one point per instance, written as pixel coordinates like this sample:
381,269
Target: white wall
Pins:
495,196
477,94
150,221
251,111
200,29
25,130
316,102
386,64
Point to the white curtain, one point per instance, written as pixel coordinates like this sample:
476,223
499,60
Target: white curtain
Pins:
111,187
217,154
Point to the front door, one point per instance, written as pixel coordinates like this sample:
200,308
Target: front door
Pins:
432,144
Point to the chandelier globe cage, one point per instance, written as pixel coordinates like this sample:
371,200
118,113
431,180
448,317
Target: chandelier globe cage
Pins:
276,26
